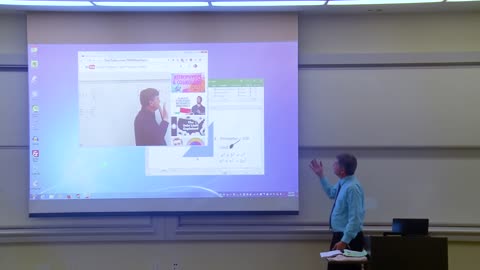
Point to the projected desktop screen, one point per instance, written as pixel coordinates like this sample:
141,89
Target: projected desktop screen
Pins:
163,127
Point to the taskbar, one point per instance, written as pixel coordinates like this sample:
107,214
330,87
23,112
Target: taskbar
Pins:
156,195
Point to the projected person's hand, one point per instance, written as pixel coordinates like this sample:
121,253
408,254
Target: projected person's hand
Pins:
317,167
164,113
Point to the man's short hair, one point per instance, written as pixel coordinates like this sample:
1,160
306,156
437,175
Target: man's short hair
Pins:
347,162
147,95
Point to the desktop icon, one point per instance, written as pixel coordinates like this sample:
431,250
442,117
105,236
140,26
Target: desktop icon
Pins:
34,63
36,153
35,108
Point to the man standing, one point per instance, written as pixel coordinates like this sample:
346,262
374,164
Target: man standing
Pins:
147,130
198,109
348,212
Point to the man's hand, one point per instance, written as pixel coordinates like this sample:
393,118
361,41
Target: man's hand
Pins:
164,113
317,167
340,246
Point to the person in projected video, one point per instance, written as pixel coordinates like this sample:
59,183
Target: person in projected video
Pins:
348,211
198,109
147,130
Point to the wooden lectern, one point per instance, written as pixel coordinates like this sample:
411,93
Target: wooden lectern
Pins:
407,253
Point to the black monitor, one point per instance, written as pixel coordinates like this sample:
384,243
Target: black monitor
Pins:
410,226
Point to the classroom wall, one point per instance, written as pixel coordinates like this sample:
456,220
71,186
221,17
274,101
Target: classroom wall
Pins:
439,34
205,255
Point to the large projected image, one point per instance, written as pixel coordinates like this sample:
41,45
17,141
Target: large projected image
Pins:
163,127
126,121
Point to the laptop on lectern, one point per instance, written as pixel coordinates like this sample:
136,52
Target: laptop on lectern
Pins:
410,226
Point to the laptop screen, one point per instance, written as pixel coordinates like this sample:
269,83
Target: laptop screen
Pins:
410,226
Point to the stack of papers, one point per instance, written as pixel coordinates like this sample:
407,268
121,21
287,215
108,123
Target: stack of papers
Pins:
329,254
353,253
342,258
345,253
